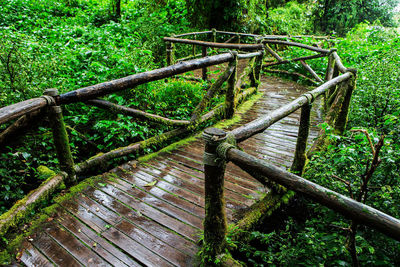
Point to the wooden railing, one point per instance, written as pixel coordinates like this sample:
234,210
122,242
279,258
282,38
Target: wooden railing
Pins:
51,103
220,147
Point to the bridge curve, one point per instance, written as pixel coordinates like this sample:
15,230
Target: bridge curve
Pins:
150,213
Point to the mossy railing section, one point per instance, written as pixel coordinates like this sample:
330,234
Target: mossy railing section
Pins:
337,91
52,103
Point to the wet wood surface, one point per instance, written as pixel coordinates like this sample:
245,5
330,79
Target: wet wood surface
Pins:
151,213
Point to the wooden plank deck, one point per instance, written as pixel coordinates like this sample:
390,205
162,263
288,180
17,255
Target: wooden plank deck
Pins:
151,213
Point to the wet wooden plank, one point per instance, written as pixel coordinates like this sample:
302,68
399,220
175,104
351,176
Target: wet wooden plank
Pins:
134,249
74,247
145,223
151,212
53,251
103,248
32,257
160,189
162,249
161,205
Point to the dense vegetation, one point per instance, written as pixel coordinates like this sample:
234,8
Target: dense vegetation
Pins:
75,43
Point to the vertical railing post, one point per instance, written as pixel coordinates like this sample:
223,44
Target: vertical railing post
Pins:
194,47
300,156
341,120
214,33
256,72
60,137
170,53
215,223
204,70
238,37
230,100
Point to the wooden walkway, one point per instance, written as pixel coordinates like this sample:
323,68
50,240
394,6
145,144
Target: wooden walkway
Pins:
151,213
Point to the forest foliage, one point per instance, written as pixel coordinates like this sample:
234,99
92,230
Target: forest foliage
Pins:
70,44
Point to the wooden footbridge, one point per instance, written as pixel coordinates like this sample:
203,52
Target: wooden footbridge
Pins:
154,212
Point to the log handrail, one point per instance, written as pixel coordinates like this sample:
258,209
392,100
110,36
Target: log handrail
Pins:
244,47
22,108
131,81
256,126
308,47
348,207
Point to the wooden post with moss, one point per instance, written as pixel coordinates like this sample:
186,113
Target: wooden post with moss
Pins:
204,70
300,157
256,73
230,92
214,33
170,53
341,120
215,223
60,137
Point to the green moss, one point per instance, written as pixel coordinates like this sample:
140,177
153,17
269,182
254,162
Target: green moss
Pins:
8,254
258,212
45,172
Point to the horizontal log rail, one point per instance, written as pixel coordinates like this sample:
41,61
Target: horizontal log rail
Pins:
129,82
259,125
100,103
308,47
294,60
244,47
348,207
22,108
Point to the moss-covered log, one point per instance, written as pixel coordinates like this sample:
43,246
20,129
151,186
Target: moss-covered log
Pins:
341,121
135,113
24,206
215,223
346,206
294,60
299,75
259,125
308,47
101,161
214,88
300,157
230,91
310,70
273,53
61,140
